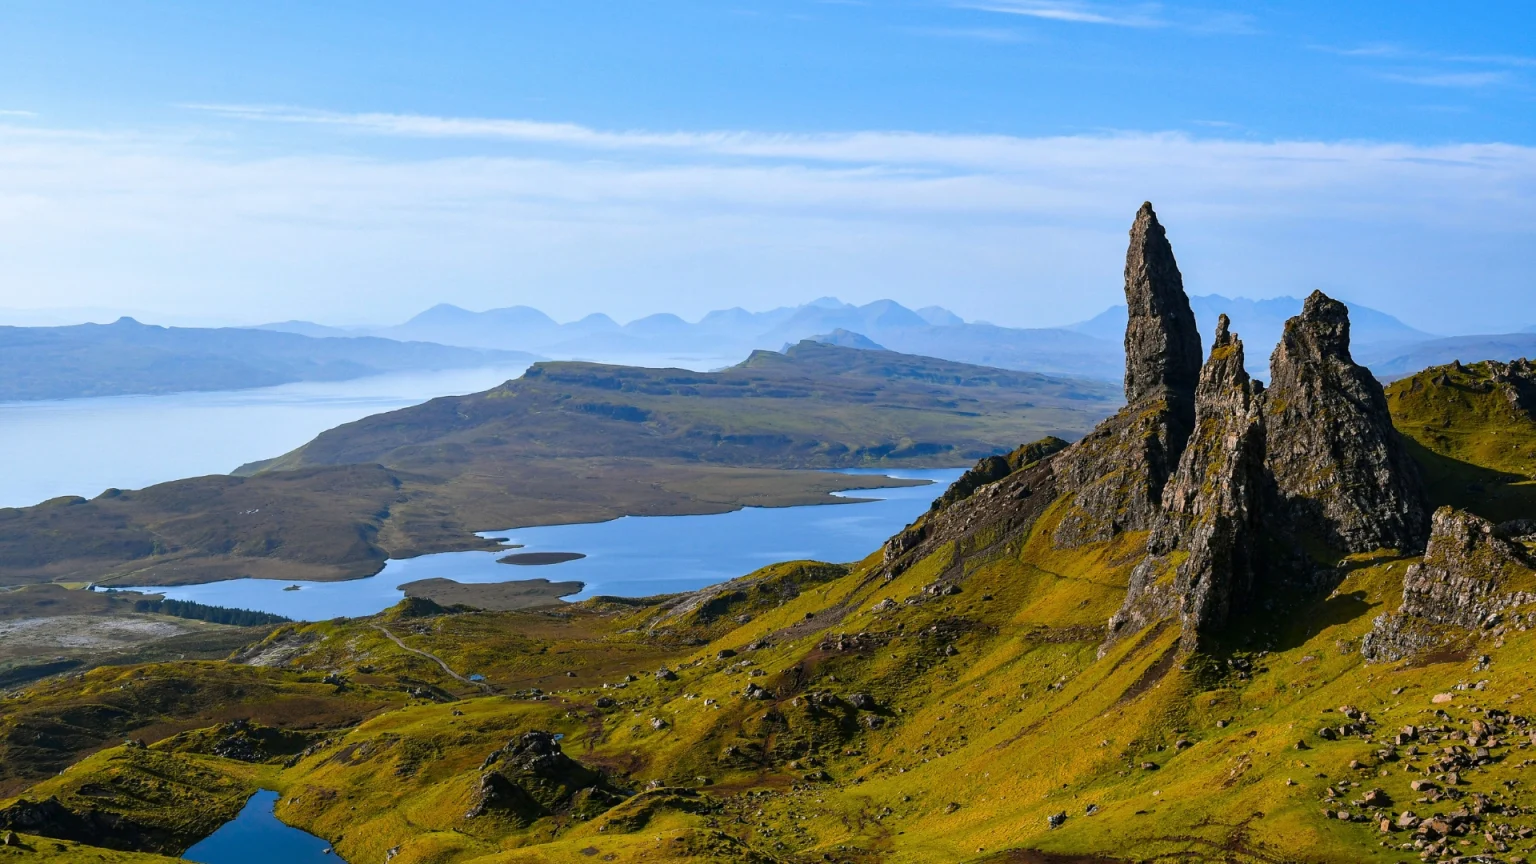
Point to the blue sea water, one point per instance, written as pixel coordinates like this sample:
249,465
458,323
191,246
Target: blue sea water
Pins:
257,836
635,556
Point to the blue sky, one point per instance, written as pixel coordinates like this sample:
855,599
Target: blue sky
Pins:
360,161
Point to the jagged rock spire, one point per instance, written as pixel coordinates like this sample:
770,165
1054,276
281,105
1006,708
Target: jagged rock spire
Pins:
1342,472
1116,473
1211,508
1162,345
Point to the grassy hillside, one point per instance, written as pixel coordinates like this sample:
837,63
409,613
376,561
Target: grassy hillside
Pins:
1474,436
900,723
568,442
817,406
964,707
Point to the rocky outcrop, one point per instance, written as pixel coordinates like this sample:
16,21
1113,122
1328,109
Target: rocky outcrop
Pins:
994,468
1340,468
1211,508
1162,344
96,827
1517,380
1006,509
1470,580
1116,473
531,777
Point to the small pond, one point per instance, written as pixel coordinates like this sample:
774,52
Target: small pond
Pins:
257,836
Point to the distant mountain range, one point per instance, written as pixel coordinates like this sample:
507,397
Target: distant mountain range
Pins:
1089,349
127,357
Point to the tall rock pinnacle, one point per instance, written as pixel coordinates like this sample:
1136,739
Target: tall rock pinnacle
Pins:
1162,344
1211,509
1116,473
1342,472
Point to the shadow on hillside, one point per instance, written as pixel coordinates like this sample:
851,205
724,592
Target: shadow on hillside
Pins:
1336,610
1497,496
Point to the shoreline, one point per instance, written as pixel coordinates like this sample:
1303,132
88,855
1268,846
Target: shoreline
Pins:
489,540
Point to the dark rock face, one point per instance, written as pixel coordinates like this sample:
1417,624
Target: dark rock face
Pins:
531,777
1162,344
1469,580
994,468
1211,509
1341,470
1007,508
1116,473
51,818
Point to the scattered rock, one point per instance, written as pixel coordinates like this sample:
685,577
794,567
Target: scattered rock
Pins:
862,701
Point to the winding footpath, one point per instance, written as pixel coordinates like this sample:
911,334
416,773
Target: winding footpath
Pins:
434,658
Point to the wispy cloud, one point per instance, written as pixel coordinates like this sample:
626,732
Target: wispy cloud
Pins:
1143,15
1139,15
1392,51
1021,230
1446,70
15,113
1461,80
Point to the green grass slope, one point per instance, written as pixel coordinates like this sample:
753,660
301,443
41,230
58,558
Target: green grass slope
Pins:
816,406
961,708
1473,436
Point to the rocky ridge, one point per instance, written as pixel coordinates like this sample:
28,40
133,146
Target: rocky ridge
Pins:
1470,579
1211,508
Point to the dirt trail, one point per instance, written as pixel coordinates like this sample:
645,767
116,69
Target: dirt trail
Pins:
434,658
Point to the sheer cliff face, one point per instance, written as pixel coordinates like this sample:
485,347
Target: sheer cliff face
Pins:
1116,473
1162,344
1340,468
1211,508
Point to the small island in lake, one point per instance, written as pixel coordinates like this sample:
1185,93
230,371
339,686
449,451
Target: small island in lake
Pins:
492,596
536,559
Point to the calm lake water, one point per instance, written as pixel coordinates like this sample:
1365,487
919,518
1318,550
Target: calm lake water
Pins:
256,836
634,556
83,446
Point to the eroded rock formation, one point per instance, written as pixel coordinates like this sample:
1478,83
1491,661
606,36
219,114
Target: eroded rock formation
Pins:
1341,470
1116,473
1470,579
1211,508
531,777
1162,343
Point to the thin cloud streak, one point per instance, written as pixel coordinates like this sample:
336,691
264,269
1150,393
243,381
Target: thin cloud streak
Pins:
1400,52
1459,80
886,153
1019,230
1076,13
